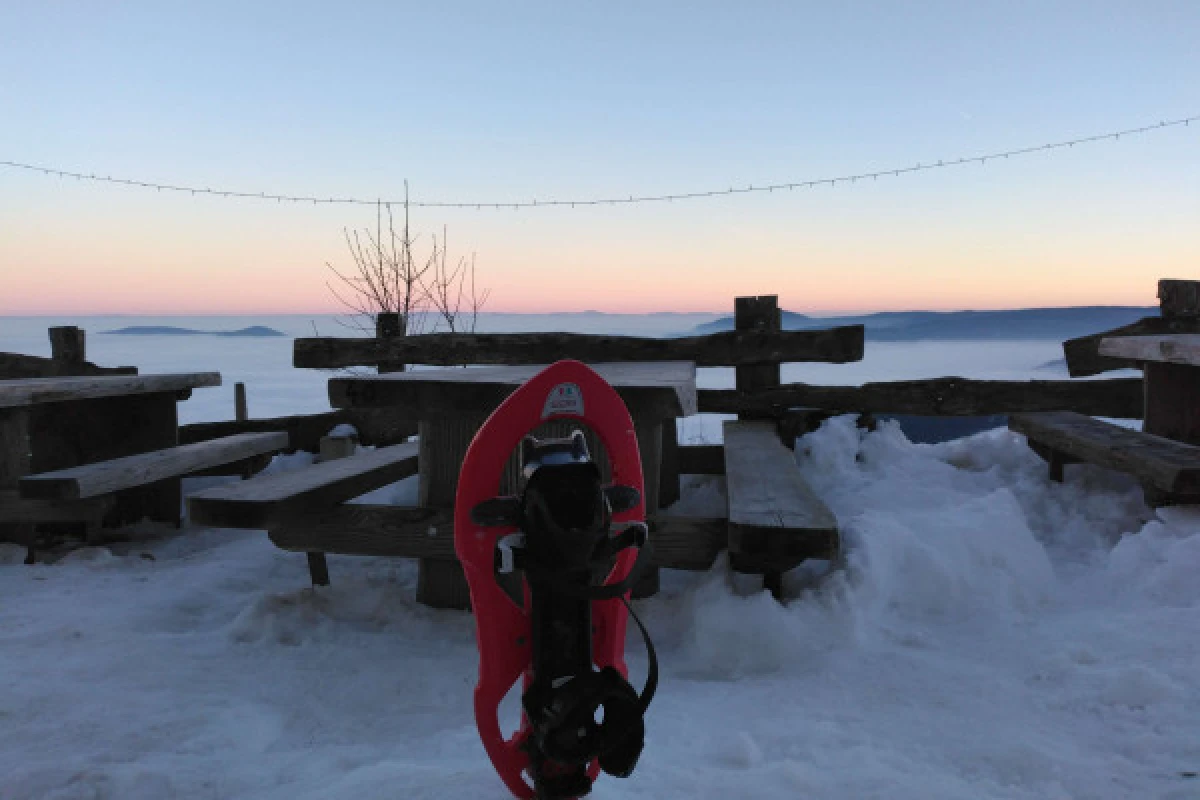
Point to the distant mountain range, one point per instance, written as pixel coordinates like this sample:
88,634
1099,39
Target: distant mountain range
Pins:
1025,323
171,330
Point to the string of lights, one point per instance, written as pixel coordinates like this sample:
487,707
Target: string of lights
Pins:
624,200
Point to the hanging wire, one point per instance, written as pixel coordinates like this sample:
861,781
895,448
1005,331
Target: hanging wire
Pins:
625,199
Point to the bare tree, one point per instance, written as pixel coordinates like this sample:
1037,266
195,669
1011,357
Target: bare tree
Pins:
386,277
451,289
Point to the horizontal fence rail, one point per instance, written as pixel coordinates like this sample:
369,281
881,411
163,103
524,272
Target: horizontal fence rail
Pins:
18,366
1120,398
727,349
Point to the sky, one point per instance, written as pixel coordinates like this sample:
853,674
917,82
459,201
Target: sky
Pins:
510,102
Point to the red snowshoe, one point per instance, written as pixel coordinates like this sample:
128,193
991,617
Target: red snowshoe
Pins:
578,546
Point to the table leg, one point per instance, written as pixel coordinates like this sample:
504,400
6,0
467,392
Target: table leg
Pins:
1172,401
14,462
668,484
443,445
650,438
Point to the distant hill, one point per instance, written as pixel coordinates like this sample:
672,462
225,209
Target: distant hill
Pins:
1025,323
171,330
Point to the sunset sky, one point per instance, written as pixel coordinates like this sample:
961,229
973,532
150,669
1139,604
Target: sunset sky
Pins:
508,102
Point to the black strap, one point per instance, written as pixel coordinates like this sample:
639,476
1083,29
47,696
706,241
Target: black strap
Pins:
556,580
651,685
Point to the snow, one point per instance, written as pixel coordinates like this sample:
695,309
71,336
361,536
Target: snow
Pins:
989,634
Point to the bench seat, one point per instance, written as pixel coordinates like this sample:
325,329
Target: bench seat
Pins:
1066,437
104,477
266,499
776,520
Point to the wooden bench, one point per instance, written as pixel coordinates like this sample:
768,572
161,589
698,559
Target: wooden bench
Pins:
302,511
775,520
105,477
89,493
1064,437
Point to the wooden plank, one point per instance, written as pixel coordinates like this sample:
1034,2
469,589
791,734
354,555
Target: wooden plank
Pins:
702,459
1162,463
31,391
730,348
370,530
15,509
93,480
257,502
1083,353
1179,298
657,390
775,519
15,366
377,427
1168,349
677,542
1121,398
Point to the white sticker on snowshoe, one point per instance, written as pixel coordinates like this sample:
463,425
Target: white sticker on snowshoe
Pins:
566,398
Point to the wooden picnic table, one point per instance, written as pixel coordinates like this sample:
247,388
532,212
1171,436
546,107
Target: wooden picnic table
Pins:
1171,373
451,404
49,424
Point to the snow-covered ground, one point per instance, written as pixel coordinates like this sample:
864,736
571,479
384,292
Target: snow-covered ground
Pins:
990,635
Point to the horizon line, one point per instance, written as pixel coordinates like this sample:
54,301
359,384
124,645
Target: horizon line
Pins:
817,313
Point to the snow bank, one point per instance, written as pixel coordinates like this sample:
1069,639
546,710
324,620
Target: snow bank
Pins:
988,634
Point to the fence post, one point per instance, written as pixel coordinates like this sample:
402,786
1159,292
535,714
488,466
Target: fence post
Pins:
1172,391
760,313
239,402
757,314
389,325
68,344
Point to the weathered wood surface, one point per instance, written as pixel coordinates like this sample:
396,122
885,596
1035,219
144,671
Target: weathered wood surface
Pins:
14,462
730,348
1179,298
1168,349
1167,465
377,427
775,519
1120,397
702,459
240,411
390,325
1083,354
68,343
756,314
260,501
95,479
659,390
75,432
669,486
677,542
16,509
33,391
1172,401
359,529
15,366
